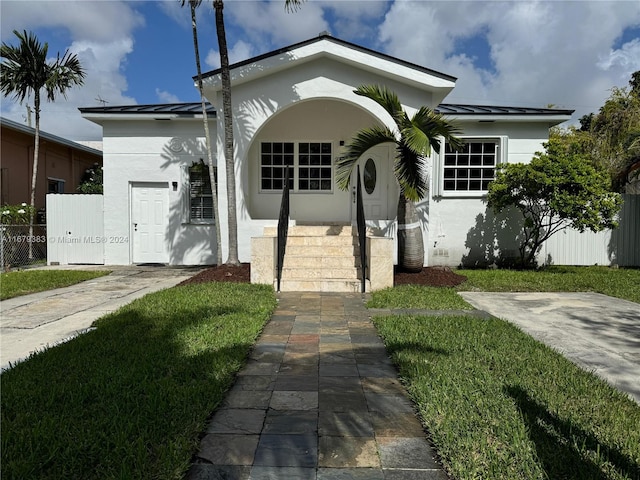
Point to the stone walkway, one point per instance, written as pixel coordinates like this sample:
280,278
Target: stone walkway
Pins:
318,399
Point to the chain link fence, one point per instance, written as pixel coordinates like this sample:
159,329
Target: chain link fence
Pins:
21,247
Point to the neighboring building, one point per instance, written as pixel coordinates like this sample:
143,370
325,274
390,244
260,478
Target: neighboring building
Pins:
296,105
61,164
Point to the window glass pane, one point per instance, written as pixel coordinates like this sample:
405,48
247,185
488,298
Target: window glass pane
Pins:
326,173
476,160
315,160
304,184
370,176
461,185
488,160
326,185
288,159
489,147
266,184
277,184
200,197
485,184
288,147
475,173
315,173
326,159
314,147
449,173
474,185
304,159
303,148
449,184
475,147
326,148
266,148
450,159
277,148
277,160
266,159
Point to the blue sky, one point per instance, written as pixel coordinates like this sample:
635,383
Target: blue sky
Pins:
518,53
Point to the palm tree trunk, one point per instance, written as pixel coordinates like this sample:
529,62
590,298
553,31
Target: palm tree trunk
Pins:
228,134
34,176
212,176
410,241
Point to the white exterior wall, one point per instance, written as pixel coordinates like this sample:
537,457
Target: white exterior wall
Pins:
460,228
257,106
139,151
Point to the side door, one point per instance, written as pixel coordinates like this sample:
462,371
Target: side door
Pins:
149,221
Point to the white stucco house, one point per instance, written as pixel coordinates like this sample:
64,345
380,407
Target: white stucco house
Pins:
296,106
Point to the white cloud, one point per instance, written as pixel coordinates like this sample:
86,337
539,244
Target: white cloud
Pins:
102,37
166,97
543,52
240,51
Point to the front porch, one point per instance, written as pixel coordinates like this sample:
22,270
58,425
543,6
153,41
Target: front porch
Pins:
322,258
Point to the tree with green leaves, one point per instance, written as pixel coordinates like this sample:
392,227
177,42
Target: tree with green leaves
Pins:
92,180
558,189
193,5
26,71
615,134
414,138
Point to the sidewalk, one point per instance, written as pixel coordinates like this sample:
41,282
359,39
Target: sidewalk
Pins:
32,323
318,399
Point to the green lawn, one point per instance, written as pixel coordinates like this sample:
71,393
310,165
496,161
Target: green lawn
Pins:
500,405
23,282
130,399
621,283
497,403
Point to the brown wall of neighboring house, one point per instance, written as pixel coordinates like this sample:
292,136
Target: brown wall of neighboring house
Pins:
60,165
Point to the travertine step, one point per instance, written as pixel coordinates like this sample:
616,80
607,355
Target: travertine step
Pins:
338,285
320,258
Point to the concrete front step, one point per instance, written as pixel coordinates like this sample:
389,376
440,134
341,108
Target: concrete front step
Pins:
335,285
302,273
314,231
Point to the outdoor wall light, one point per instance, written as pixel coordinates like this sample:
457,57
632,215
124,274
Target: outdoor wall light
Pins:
175,186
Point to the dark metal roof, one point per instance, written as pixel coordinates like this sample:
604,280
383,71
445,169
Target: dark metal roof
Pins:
457,109
195,108
326,36
181,109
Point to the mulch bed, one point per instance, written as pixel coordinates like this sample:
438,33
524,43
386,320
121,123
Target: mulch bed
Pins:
430,276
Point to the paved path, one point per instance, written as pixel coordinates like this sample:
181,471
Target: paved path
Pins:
32,323
318,399
597,332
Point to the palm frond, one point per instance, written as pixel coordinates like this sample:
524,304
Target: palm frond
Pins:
360,143
384,97
292,5
432,126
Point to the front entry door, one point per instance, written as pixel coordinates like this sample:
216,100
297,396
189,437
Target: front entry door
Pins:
149,220
374,174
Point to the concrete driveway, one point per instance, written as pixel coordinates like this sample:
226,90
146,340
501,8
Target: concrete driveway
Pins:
597,332
34,322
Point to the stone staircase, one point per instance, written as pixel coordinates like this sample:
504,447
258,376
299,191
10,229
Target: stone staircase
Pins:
321,258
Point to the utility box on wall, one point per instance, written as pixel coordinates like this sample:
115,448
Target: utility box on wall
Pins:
75,229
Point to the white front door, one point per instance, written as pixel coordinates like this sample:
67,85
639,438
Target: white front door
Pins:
149,220
375,172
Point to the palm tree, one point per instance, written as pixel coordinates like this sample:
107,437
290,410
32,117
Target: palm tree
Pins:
193,4
25,71
414,139
227,115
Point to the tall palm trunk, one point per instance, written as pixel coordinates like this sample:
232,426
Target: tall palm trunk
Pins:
212,176
34,176
410,240
228,134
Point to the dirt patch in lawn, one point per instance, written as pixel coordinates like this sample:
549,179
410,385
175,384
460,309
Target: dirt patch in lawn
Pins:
431,276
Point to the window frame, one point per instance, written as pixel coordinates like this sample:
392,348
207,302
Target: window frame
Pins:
189,195
439,172
299,167
59,183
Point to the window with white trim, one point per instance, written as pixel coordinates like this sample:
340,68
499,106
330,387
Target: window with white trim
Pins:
471,168
55,185
200,194
310,166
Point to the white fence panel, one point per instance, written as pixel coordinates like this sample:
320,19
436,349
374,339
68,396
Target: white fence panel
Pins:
75,229
610,247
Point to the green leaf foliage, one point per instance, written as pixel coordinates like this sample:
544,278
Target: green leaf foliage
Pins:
556,190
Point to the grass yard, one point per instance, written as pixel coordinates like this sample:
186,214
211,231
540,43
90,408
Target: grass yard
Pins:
621,283
500,405
23,282
615,282
129,399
